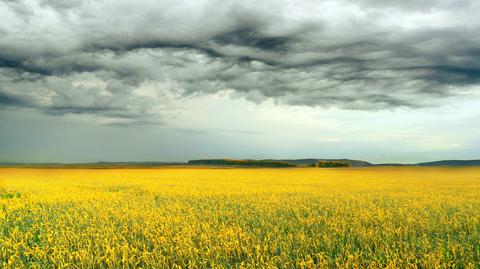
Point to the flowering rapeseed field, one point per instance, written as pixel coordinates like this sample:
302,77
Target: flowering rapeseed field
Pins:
240,218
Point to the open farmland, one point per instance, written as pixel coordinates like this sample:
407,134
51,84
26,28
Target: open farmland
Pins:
242,218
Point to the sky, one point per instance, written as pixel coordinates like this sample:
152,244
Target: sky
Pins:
117,80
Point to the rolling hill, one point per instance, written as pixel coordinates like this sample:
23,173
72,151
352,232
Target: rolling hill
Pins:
451,163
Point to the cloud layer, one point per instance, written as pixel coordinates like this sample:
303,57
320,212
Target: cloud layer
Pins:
133,61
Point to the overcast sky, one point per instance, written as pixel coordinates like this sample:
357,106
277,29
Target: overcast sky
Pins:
118,80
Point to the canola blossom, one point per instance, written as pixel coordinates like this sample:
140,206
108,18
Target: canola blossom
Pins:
184,217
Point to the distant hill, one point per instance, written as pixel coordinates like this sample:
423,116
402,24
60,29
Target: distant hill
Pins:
276,162
358,163
451,163
307,162
91,165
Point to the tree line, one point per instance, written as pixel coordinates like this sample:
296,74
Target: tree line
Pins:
254,163
330,164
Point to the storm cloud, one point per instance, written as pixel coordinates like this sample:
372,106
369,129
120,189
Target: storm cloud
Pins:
133,61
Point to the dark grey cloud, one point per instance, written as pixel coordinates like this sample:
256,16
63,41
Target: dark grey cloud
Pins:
251,38
7,100
132,61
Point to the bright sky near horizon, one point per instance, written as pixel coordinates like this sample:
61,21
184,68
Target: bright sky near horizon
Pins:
104,80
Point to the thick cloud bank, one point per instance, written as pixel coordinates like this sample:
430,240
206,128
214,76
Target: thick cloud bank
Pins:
131,60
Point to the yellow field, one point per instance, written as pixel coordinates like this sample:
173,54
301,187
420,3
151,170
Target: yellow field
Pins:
255,218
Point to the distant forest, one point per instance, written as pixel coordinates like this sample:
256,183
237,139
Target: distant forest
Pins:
254,163
327,164
267,163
